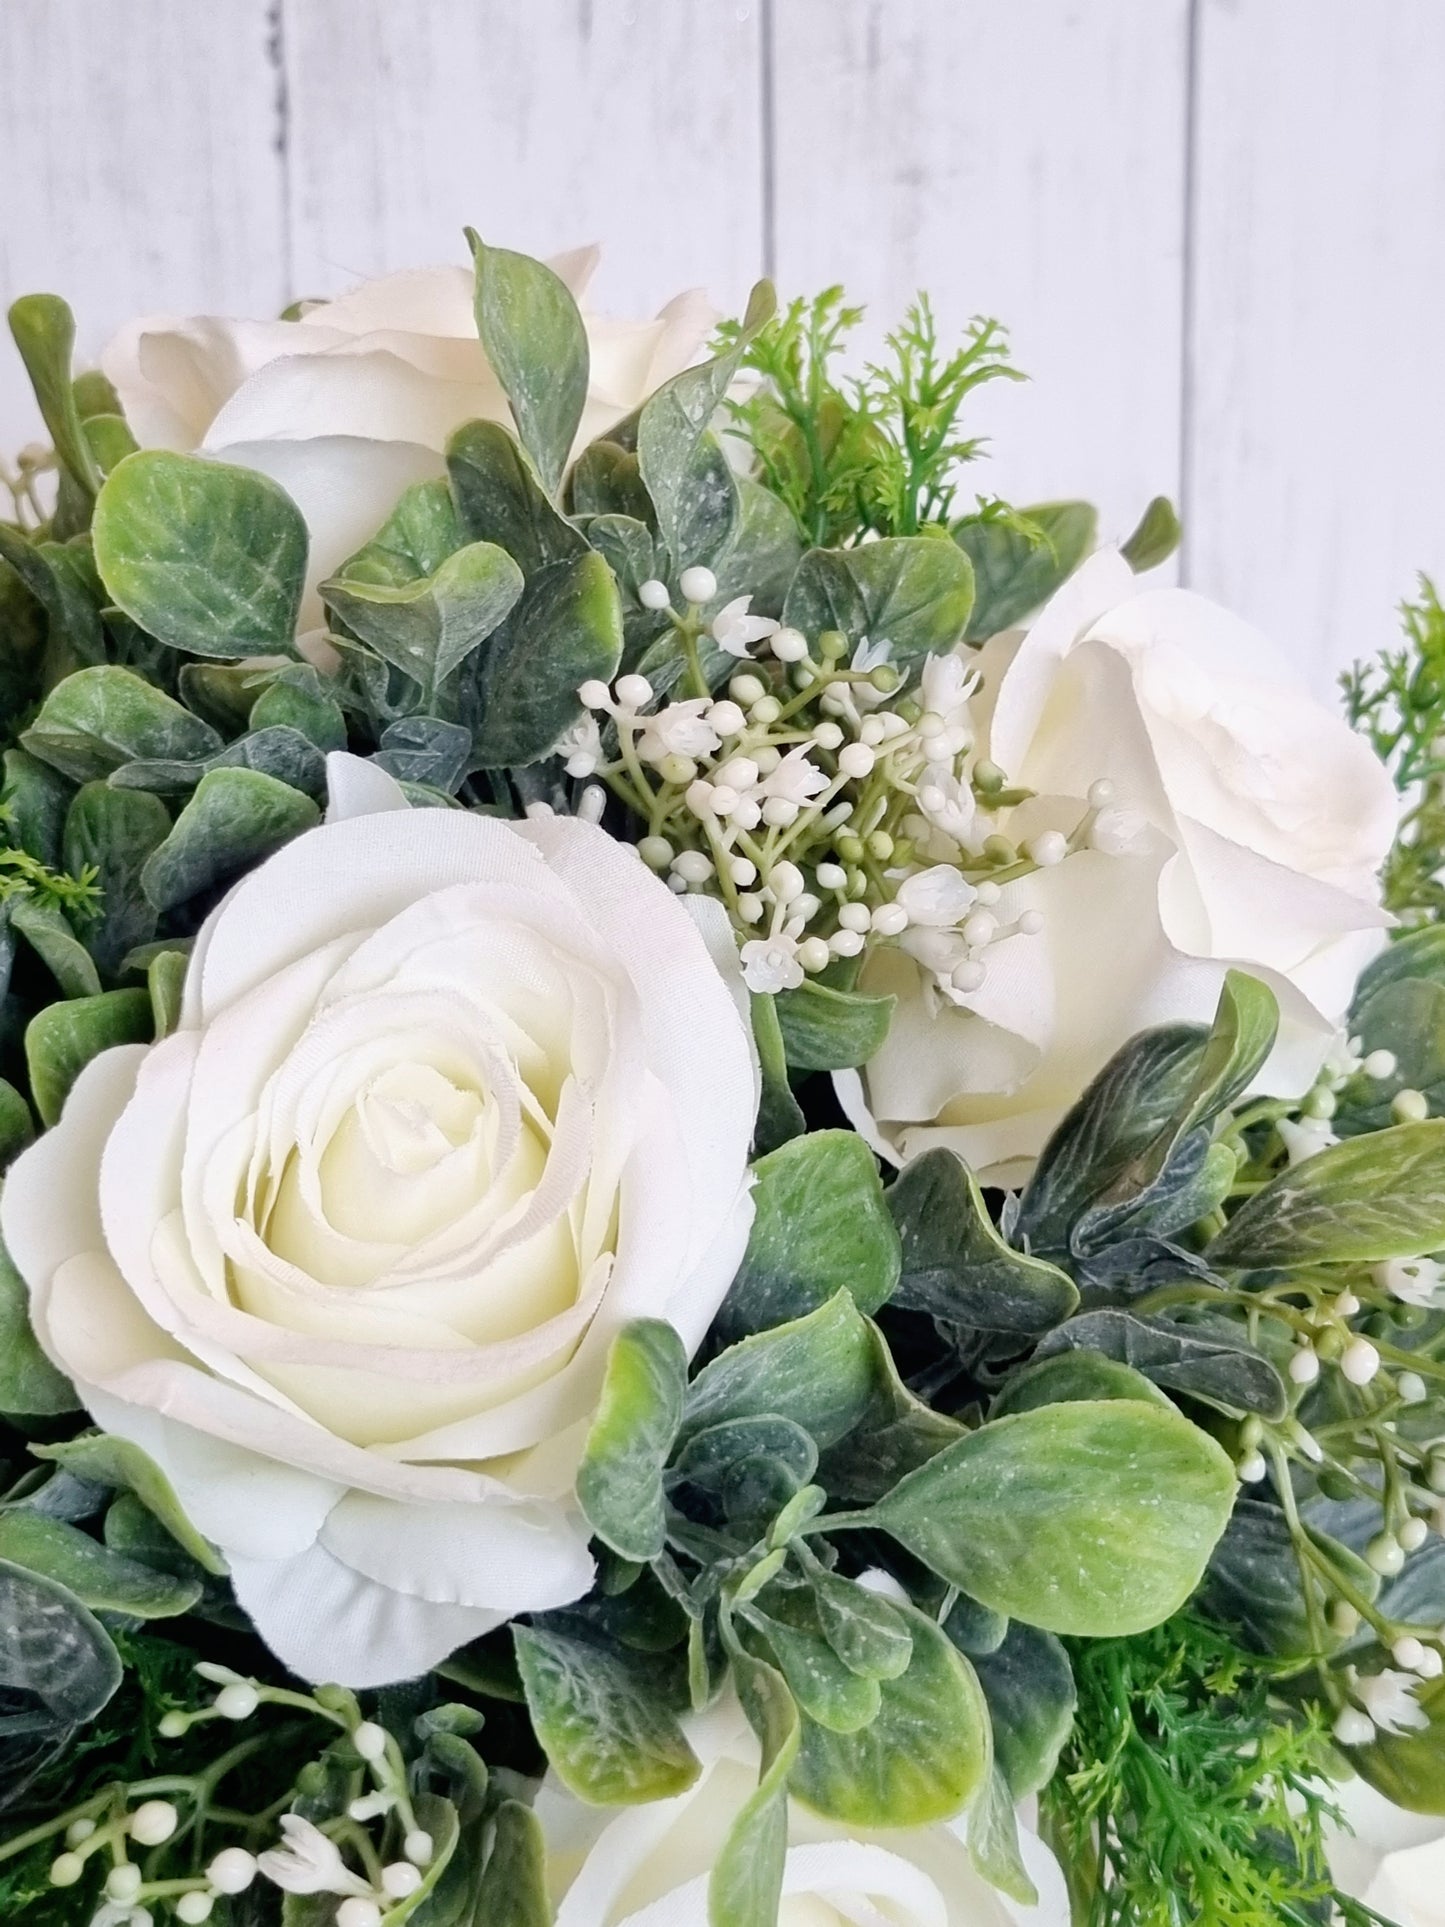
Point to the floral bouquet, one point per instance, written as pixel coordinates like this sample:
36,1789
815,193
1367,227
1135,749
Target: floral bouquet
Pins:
721,1198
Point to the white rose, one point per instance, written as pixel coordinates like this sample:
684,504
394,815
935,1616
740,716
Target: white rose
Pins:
1246,827
1392,1860
648,1866
450,1100
354,402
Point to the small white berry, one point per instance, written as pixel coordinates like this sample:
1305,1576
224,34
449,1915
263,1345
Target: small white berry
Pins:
780,811
634,691
727,718
173,1725
417,1847
785,880
845,943
238,1701
1252,1468
358,1911
747,690
595,694
1379,1063
78,1832
1047,849
856,760
655,851
1413,1534
1100,793
1304,1366
890,919
814,955
969,975
828,736
195,1907
750,908
232,1870
698,584
400,1880
66,1869
692,866
369,1739
979,927
122,1883
1431,1664
743,871
153,1823
766,711
1359,1361
1346,1304
855,916
653,594
789,645
831,876
1031,923
1411,1388
1409,1107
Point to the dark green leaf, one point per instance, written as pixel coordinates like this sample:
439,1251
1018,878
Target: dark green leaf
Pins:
606,481
100,1578
993,1841
428,628
1091,1518
61,1040
236,817
1017,568
955,1265
606,1730
819,1371
30,1386
866,1631
36,798
52,1650
894,1434
424,749
499,499
99,718
205,557
780,1116
414,541
48,932
910,591
116,831
105,1460
747,1878
17,1129
1155,539
1208,1357
1409,1767
1029,1685
513,1888
566,629
820,1226
826,1689
537,345
1072,1375
832,1030
619,1483
62,579
44,331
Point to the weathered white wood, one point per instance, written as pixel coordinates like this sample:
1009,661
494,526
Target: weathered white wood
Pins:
1316,486
138,148
546,125
1025,161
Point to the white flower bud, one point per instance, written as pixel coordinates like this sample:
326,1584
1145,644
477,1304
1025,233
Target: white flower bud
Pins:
232,1870
785,880
780,811
1100,793
727,718
66,1869
653,594
634,691
195,1907
237,1701
1411,1388
1409,1107
871,731
1304,1366
856,761
855,916
1431,1664
831,876
1379,1064
153,1823
78,1832
766,711
743,871
655,851
979,928
594,694
738,772
969,975
747,690
845,943
698,584
358,1911
1407,1652
1047,849
122,1883
750,908
1359,1361
400,1880
814,954
789,645
369,1739
890,919
692,866
1353,1728
828,736
1413,1534
418,1848
1252,1468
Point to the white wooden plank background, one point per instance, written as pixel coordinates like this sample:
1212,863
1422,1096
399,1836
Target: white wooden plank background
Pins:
1215,228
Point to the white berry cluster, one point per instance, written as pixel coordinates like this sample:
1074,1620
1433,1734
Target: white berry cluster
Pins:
823,798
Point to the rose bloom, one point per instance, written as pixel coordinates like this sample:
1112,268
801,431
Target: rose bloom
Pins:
1246,827
648,1866
449,1101
354,402
1391,1860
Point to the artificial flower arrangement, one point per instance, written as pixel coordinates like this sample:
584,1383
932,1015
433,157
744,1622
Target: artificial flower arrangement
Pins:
721,1199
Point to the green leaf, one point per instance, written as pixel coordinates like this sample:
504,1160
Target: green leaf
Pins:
428,628
105,1460
537,345
746,1883
165,983
297,699
236,817
820,1226
607,481
894,1434
1155,539
605,1728
956,1267
751,1466
61,576
818,1371
566,629
44,331
1206,1356
30,1386
780,1116
619,1483
499,499
103,1580
1069,1376
52,1650
763,555
413,542
832,1030
1029,1685
910,591
1091,1518
1360,1202
1409,1767
686,473
1253,1580
1139,1092
867,1632
1017,568
17,1129
513,1888
993,1841
116,832
424,749
825,1689
99,718
205,557
36,798
61,1040
921,1760
47,930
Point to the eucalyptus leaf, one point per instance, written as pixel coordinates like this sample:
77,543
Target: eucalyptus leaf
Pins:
105,1460
1092,1518
913,592
865,1630
607,481
608,1734
893,1434
36,799
513,1887
831,1030
745,1886
537,345
204,556
47,930
100,1578
235,818
62,579
426,749
1156,537
297,699
499,499
44,331
1208,1357
619,1483
1018,563
61,1040
1359,1202
749,1466
414,541
820,1225
1253,1580
763,555
165,984
955,1265
825,1688
30,1386
780,1116
1029,1685
17,1129
819,1371
58,1666
921,1760
566,629
97,719
116,831
428,628
1070,1375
